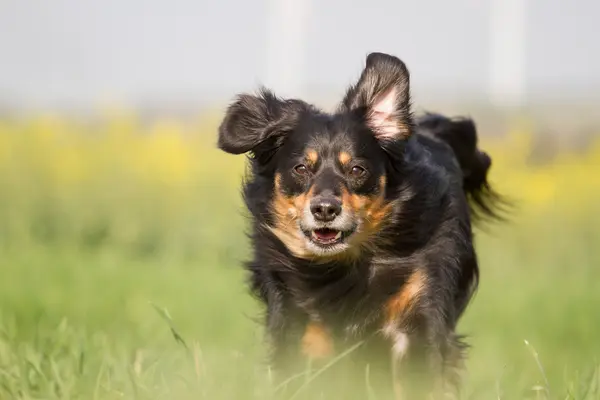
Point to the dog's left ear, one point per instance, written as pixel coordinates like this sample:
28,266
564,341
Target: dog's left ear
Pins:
381,97
258,124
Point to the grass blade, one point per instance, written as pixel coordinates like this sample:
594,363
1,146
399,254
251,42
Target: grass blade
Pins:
323,369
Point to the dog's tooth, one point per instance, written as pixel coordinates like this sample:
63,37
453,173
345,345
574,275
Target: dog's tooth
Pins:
338,235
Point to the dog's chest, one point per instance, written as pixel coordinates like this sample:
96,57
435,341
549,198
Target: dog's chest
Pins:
352,304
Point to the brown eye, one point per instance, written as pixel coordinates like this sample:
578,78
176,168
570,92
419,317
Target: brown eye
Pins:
301,169
357,171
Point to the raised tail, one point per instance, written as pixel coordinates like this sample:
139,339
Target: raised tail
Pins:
461,135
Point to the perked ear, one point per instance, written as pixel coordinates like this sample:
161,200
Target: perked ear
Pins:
382,97
252,122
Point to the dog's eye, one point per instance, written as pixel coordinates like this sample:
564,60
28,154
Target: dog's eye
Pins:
357,171
301,169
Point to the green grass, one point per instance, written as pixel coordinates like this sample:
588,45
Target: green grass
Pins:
94,284
80,323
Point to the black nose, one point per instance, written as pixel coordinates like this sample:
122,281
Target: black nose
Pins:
325,209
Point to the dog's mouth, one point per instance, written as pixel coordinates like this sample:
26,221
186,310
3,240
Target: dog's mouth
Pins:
326,237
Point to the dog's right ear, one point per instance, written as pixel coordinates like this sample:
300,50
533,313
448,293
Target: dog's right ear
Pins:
257,123
381,97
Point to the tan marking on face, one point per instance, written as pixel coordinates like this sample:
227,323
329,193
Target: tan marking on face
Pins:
317,342
286,211
312,156
373,210
402,302
344,158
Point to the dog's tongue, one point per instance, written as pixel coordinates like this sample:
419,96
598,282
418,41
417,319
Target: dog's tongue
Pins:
325,234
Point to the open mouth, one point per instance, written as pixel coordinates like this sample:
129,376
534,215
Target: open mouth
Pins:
326,236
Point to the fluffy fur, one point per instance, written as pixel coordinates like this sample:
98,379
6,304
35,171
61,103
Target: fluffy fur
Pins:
361,229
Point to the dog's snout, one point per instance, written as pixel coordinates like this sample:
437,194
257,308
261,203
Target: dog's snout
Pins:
325,209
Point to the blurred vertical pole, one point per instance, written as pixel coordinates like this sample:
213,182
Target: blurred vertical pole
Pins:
508,37
286,46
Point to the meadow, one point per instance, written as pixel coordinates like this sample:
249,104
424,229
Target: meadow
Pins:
120,278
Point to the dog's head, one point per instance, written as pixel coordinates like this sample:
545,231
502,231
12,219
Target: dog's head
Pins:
329,172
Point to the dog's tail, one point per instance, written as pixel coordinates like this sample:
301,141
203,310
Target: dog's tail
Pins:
461,135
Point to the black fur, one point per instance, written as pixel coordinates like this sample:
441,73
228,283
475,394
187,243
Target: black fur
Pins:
435,181
461,135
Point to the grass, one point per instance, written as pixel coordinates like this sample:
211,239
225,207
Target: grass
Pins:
120,277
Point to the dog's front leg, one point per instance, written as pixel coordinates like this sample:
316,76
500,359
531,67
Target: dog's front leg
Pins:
415,330
416,363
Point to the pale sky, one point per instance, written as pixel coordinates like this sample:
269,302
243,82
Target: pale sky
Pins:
77,52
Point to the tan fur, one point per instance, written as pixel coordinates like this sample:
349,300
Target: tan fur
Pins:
344,158
402,302
372,209
286,210
317,342
312,156
397,308
405,130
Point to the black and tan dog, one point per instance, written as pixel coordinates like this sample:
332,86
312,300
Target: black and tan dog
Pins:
361,226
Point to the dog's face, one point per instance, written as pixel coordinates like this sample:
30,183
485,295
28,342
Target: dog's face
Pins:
329,186
328,171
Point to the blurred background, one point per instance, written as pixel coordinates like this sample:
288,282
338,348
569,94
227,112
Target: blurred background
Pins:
122,227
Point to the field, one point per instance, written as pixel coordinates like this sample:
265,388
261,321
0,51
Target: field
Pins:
119,277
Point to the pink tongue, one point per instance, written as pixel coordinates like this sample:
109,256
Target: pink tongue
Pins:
325,234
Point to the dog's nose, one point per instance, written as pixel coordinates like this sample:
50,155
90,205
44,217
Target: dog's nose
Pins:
325,209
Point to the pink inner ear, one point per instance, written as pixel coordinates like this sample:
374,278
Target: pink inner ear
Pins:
383,118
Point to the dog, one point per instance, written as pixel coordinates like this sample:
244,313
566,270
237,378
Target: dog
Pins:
361,230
